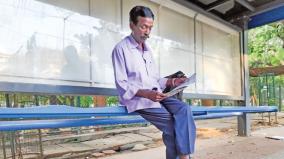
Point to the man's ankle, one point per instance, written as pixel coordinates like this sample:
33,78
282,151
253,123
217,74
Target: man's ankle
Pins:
184,157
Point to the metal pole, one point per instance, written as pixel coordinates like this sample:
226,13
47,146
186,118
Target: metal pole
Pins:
18,145
12,142
40,143
259,90
39,132
280,98
3,145
267,89
7,100
274,89
269,118
12,134
36,100
78,103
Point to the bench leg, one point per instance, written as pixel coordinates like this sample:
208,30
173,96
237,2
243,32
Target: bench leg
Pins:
276,118
244,125
269,118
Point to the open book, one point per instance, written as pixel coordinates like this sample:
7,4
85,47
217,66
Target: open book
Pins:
188,81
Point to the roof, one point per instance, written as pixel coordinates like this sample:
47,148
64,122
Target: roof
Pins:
236,12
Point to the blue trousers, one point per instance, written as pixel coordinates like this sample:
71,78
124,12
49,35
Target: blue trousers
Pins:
176,122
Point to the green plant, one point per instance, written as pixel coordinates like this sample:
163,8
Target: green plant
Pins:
112,101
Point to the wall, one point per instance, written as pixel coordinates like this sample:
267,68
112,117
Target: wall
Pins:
69,42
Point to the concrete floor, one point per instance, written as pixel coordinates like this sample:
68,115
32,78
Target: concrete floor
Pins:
226,145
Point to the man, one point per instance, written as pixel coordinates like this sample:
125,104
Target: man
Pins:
139,87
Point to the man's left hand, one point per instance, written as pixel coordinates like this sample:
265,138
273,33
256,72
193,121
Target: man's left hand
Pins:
177,81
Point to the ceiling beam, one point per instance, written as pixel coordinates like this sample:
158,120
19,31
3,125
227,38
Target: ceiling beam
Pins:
200,10
258,10
246,4
215,5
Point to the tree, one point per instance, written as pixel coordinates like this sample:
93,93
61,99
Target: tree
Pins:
266,48
266,45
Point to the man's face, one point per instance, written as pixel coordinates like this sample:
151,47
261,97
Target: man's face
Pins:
142,29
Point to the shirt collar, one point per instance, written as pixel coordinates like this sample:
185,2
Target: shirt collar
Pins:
135,45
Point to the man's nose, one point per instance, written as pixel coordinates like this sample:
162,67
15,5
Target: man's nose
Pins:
147,31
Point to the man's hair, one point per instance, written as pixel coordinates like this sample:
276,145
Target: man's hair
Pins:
140,11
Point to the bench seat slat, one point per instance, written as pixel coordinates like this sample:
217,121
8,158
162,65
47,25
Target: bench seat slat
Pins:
217,115
249,109
62,123
63,111
107,116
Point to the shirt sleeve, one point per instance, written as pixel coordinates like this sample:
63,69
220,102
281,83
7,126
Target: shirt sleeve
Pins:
163,82
125,89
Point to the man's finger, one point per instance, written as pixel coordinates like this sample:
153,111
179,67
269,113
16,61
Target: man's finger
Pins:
161,94
183,79
159,98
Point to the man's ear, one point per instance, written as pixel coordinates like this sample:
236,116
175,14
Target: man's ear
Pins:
131,25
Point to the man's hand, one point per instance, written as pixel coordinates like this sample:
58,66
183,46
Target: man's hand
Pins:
151,94
156,96
177,81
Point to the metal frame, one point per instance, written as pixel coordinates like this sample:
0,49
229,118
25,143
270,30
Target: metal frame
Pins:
211,96
45,89
10,87
269,16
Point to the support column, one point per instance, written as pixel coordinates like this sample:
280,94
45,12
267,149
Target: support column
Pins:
244,120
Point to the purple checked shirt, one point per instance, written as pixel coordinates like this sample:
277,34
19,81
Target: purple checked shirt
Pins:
135,69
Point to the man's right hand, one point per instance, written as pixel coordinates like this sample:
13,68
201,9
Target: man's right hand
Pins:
156,96
151,94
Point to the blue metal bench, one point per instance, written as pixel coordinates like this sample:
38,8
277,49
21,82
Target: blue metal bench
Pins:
42,117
